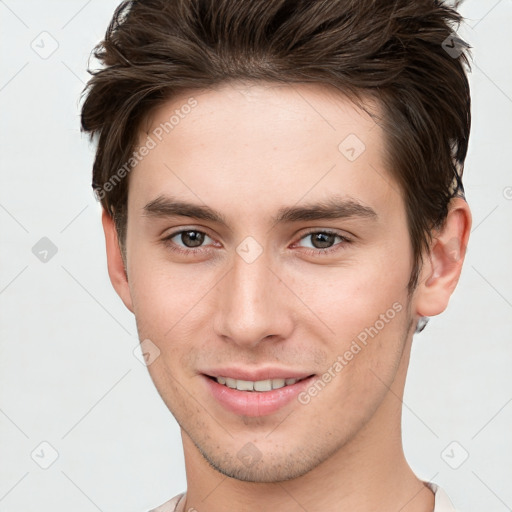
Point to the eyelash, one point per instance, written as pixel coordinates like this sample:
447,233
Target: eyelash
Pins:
311,252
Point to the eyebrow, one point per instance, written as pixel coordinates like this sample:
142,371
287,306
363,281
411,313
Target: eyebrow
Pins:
332,208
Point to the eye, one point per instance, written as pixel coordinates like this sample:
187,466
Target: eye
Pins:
187,239
322,241
190,238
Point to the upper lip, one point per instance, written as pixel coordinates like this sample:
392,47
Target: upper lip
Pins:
257,374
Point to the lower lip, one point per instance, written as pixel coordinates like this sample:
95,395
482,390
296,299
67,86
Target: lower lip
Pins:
255,403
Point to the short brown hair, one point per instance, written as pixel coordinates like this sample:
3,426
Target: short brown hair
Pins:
403,54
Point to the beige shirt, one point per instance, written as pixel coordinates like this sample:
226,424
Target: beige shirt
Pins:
442,503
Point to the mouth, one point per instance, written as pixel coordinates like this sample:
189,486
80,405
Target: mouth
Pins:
256,398
256,385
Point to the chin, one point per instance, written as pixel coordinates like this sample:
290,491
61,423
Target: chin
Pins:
272,467
260,472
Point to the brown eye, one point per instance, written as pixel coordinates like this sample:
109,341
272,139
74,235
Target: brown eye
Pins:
189,238
192,238
321,239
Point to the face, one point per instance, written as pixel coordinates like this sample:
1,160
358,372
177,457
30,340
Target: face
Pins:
266,241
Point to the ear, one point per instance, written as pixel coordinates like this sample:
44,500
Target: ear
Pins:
443,264
116,267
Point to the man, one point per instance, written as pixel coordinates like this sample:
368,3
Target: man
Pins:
283,209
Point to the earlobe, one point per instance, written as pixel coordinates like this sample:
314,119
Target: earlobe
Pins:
443,264
116,266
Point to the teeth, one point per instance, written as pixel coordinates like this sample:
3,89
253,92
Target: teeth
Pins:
231,383
244,385
263,385
259,385
277,383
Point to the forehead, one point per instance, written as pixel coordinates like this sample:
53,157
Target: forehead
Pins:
260,111
280,143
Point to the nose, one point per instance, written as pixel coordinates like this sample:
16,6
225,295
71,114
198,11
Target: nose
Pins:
252,304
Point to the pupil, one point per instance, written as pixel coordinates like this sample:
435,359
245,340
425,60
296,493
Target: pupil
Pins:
192,238
323,240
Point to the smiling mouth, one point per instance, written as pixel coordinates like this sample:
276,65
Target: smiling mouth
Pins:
256,386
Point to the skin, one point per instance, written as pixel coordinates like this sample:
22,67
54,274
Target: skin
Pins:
247,150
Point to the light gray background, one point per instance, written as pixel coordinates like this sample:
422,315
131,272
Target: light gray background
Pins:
68,373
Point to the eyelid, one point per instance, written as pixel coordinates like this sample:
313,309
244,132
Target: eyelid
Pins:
336,231
172,232
328,231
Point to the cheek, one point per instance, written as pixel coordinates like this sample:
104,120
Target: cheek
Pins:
351,297
162,291
164,307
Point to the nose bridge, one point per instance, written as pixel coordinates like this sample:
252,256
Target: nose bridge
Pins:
250,306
